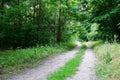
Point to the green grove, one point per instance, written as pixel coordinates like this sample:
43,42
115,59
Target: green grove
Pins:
27,23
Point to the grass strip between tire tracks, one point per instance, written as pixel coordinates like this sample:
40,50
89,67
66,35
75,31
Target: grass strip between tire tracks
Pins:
70,67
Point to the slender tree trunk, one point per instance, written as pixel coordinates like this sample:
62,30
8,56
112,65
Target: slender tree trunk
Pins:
37,12
34,13
40,12
59,31
19,15
18,2
2,7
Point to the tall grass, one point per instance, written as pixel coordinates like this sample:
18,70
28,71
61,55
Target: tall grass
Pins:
109,57
13,61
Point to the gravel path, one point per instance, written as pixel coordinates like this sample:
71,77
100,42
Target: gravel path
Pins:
50,65
86,71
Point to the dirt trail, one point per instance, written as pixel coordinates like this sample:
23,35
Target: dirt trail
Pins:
86,71
50,65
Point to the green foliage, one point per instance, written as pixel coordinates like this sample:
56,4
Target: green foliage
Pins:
50,21
70,67
93,34
102,12
11,61
106,14
26,23
108,58
71,31
108,67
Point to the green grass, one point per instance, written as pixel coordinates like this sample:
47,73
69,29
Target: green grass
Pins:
70,67
109,61
13,61
94,43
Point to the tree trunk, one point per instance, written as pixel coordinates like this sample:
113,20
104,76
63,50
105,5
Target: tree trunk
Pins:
59,31
34,12
37,12
2,7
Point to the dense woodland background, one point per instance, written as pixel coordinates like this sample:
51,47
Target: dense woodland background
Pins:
27,23
32,30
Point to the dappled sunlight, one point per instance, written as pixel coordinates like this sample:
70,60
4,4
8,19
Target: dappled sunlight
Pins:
78,43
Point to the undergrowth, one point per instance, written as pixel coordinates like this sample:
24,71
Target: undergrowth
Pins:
13,61
70,67
109,61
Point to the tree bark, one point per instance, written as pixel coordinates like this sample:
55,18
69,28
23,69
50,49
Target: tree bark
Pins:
59,31
2,7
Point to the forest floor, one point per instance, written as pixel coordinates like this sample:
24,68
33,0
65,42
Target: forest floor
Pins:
86,71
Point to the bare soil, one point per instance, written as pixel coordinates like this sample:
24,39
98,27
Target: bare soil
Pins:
86,71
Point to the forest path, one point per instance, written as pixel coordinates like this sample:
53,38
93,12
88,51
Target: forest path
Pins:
50,65
86,71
